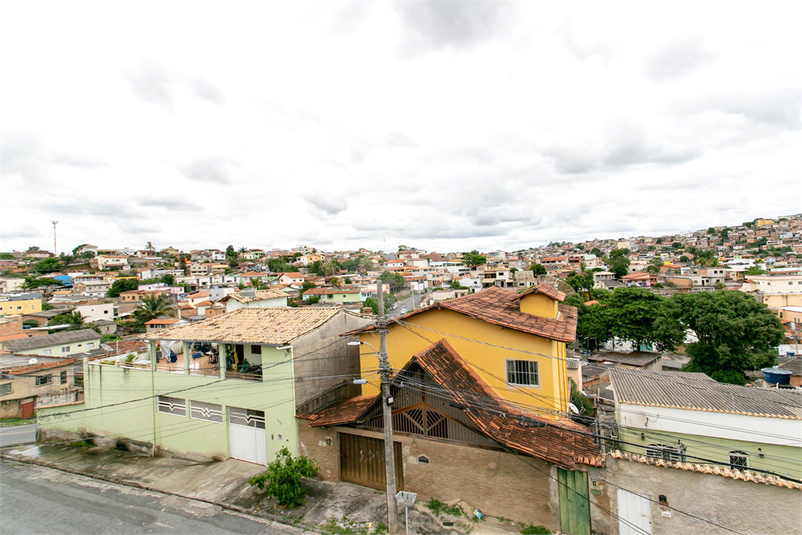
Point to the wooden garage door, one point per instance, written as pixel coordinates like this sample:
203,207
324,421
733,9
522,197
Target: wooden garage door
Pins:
362,461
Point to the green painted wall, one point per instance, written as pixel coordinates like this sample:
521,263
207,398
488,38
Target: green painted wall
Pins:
782,460
122,402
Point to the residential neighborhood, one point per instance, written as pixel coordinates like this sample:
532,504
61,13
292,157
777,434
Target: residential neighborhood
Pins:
591,385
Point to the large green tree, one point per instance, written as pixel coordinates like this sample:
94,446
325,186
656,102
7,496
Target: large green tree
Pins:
473,258
735,333
122,285
44,284
75,320
48,265
395,280
538,269
619,262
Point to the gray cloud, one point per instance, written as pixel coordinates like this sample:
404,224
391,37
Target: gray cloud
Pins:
151,84
179,204
778,109
328,204
440,24
678,59
207,90
398,139
635,151
208,170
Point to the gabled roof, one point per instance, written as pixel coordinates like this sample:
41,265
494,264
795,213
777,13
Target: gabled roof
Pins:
267,326
544,289
66,337
499,306
698,392
560,442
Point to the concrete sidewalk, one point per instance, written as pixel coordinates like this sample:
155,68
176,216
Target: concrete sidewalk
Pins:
329,508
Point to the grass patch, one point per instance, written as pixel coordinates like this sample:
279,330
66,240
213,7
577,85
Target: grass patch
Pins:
438,508
531,529
380,529
11,422
334,528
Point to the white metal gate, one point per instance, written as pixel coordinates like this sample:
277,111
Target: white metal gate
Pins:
246,430
634,514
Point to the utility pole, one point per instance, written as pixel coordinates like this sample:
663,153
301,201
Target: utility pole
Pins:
55,249
389,457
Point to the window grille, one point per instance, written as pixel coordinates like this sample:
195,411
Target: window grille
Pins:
5,389
522,372
661,451
211,412
44,380
739,459
63,377
175,406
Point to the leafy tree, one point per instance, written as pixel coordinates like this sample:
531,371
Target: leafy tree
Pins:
676,245
45,284
581,281
538,269
348,280
754,270
86,255
711,230
122,285
75,320
168,279
473,258
258,284
736,333
372,302
455,285
151,307
619,262
684,259
283,477
596,251
591,329
279,265
331,267
6,256
307,285
351,265
365,264
48,265
395,280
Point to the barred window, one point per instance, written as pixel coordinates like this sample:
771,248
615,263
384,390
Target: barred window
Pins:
63,377
739,459
662,451
246,417
175,406
5,388
44,380
522,372
210,412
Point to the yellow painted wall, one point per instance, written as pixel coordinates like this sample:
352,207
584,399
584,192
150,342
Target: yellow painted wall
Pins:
11,308
539,305
488,362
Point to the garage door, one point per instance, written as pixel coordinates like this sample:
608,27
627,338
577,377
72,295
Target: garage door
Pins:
246,430
634,514
362,462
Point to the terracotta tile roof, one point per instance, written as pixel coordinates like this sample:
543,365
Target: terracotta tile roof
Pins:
499,306
545,289
329,291
260,295
126,346
342,411
206,303
168,321
270,326
560,442
723,471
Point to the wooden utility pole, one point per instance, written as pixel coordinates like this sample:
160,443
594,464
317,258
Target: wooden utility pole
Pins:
387,401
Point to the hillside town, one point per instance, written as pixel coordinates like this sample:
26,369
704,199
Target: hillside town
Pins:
593,384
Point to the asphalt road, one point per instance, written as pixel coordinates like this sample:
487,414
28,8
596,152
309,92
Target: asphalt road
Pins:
18,434
36,499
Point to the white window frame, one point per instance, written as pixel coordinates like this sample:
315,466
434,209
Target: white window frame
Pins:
517,372
665,452
65,349
42,380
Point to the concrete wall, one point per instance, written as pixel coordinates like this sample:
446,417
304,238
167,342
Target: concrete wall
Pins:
323,359
743,506
498,484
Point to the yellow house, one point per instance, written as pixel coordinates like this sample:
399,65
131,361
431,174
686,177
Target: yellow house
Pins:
20,306
514,342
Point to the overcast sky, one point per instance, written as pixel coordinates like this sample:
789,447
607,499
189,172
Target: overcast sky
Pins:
443,125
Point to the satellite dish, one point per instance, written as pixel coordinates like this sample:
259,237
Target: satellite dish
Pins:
32,361
556,282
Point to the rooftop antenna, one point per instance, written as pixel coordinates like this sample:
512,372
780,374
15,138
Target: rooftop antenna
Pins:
55,250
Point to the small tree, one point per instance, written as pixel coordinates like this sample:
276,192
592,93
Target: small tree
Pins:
283,478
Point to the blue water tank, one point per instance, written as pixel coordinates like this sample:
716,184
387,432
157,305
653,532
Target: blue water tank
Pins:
777,376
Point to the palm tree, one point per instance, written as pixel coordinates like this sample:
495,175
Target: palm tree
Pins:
258,284
152,307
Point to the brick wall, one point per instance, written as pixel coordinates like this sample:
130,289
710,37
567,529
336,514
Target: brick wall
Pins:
497,483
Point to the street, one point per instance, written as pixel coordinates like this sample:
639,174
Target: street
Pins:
20,434
36,499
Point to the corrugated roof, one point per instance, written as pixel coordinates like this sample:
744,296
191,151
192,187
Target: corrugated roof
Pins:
698,392
270,326
66,337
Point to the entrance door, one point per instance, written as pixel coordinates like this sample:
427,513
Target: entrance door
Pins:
634,514
26,408
362,462
574,502
246,431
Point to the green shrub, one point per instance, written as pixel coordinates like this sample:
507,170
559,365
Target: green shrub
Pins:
283,478
438,507
531,529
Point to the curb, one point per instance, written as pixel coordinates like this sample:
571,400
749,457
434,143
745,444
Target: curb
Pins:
135,484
